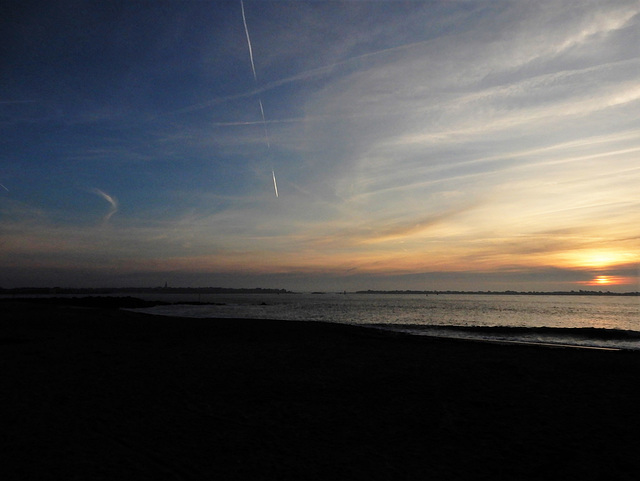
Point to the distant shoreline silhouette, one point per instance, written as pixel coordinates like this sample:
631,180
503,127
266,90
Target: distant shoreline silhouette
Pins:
260,290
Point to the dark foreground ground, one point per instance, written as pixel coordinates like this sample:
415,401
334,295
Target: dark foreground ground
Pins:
97,393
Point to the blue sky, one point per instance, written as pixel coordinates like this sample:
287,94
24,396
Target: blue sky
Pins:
416,145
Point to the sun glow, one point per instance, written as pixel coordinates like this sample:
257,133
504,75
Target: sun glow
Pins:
597,259
604,259
604,281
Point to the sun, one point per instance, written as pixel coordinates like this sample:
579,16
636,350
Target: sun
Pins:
599,262
604,281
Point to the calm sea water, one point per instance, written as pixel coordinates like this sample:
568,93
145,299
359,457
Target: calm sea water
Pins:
590,321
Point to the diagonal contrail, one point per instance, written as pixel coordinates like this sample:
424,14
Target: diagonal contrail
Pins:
264,124
275,185
4,187
255,79
246,30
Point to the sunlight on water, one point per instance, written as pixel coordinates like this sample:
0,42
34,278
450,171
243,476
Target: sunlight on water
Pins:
419,314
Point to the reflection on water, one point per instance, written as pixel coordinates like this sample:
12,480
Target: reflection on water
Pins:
419,313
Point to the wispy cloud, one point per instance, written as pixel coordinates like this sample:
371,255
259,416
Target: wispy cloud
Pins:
113,203
408,136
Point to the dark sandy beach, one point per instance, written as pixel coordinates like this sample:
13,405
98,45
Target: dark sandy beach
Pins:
99,393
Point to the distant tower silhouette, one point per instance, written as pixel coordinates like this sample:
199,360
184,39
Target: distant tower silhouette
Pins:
165,285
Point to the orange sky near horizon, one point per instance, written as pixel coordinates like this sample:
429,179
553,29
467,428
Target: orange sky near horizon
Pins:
486,145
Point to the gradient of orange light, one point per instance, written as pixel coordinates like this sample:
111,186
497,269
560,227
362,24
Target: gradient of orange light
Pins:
395,258
608,281
595,259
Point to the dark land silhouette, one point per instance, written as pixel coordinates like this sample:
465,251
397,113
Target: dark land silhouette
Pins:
102,291
93,392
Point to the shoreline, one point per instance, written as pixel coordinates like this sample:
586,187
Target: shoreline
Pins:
513,342
103,393
559,341
560,337
579,337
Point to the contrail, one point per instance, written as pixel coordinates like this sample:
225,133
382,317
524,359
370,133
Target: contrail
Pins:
255,79
264,123
4,187
275,185
246,30
316,72
113,201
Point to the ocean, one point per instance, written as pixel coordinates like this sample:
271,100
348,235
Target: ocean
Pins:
611,322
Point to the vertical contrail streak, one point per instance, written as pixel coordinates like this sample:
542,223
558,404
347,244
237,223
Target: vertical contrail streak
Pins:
246,31
275,185
264,124
255,79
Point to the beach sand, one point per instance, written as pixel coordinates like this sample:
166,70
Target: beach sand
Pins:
98,393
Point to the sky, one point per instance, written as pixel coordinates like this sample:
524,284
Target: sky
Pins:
428,145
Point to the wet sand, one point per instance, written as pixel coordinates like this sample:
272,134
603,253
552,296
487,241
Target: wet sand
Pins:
99,393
